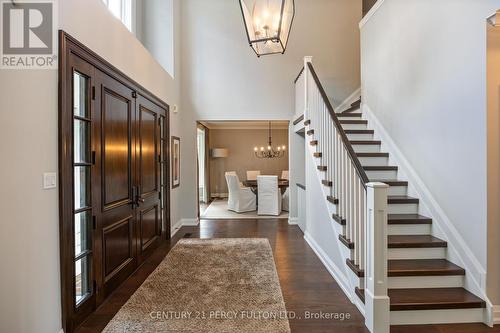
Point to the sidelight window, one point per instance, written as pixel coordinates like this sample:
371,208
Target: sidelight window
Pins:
82,163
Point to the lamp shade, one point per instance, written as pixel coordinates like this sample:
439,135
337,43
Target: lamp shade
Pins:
268,24
220,152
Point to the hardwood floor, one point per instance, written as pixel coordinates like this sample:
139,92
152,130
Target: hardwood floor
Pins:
306,284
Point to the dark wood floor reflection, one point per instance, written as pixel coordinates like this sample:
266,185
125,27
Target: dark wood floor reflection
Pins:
306,284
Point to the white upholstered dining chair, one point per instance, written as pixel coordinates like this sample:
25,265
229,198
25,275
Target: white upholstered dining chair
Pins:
269,196
241,199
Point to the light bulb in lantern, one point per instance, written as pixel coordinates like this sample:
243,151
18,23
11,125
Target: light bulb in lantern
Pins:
256,149
261,148
279,148
284,147
268,147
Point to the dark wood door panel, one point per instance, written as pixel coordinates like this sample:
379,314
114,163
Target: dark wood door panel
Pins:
116,143
149,225
148,150
117,240
150,220
115,160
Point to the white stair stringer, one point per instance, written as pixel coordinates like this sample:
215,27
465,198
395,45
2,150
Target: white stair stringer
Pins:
335,257
457,250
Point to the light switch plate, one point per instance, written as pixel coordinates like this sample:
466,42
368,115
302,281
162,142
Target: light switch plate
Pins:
49,180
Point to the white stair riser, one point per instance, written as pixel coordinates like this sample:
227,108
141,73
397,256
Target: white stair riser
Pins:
351,117
355,126
366,148
360,136
374,161
382,174
437,316
409,229
417,253
403,208
398,190
452,281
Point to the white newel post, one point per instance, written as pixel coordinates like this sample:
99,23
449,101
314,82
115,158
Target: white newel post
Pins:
306,86
377,303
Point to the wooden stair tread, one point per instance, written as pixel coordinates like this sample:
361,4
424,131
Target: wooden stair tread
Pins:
365,142
430,299
358,102
322,167
318,154
414,241
314,143
365,122
332,200
339,219
372,154
380,168
415,267
346,242
307,122
327,183
402,199
310,132
408,219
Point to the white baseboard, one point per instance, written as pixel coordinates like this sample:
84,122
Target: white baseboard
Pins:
458,250
183,223
190,222
349,100
496,315
293,220
61,331
334,271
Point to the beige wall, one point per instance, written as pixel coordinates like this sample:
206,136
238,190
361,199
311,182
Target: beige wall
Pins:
241,143
222,79
493,129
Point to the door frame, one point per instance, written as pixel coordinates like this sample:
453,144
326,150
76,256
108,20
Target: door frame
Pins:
69,47
206,161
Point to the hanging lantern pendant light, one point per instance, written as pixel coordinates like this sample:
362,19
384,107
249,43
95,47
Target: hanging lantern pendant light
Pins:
268,24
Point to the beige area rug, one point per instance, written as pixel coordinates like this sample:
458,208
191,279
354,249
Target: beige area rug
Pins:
217,210
208,286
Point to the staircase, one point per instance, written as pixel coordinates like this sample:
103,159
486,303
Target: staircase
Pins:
423,287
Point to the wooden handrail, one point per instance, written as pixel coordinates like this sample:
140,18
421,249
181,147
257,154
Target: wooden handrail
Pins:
347,144
298,76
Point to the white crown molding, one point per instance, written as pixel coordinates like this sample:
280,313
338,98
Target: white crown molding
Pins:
371,13
458,250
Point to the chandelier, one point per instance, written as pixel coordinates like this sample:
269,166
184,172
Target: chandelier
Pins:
268,24
270,152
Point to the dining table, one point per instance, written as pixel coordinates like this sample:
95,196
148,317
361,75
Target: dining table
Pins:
283,184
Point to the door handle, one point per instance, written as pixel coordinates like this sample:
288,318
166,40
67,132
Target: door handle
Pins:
140,199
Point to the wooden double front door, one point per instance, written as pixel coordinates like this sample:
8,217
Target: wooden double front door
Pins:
114,166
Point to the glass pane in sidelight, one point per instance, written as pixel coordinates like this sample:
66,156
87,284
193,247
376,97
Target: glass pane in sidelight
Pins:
80,95
82,232
81,141
82,279
82,187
